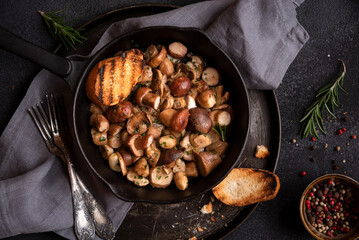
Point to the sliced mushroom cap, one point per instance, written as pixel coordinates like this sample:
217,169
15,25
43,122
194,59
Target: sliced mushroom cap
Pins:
188,154
213,135
200,120
150,52
152,100
146,75
160,178
220,97
99,138
138,180
220,117
199,140
153,154
219,147
99,121
144,142
169,156
180,86
157,59
190,102
179,120
177,50
138,143
142,168
197,64
138,123
179,102
122,164
166,116
126,156
166,67
114,129
206,99
207,162
167,142
106,151
181,180
191,169
141,93
120,112
95,109
114,163
114,141
180,166
155,130
166,103
124,136
211,76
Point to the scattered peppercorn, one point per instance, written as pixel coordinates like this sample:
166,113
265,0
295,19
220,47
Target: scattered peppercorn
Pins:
303,173
314,147
326,145
313,139
313,159
353,136
340,132
337,148
335,167
331,207
345,119
294,140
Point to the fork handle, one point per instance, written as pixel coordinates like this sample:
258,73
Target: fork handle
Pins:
103,224
84,227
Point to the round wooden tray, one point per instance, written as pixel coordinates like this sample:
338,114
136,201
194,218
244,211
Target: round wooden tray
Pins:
184,220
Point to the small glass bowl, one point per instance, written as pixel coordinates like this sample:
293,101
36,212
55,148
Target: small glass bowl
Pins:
353,233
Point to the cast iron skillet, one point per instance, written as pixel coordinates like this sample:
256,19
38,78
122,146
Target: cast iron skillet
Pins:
75,72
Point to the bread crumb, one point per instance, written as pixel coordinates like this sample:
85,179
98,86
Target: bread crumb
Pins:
199,229
13,87
261,152
192,238
213,219
207,208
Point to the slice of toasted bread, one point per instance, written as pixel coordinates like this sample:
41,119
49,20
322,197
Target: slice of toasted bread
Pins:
112,79
244,186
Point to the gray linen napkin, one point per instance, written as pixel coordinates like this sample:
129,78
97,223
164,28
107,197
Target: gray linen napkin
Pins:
262,37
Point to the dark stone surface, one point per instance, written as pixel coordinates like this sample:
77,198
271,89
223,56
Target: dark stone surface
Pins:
333,26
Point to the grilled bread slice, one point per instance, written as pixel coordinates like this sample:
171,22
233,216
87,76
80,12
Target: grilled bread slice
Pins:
112,79
244,186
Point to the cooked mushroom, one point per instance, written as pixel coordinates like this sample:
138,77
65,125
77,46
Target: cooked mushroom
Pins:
136,179
138,123
126,156
180,166
119,113
200,120
159,178
124,136
211,76
144,96
191,169
95,109
153,154
168,142
155,130
100,122
177,50
188,154
166,67
106,151
114,129
157,59
181,180
114,141
213,135
150,52
190,102
138,143
179,103
99,138
199,140
220,117
220,97
146,75
206,99
166,103
197,64
114,163
122,163
142,168
218,147
166,116
207,162
180,86
169,156
179,120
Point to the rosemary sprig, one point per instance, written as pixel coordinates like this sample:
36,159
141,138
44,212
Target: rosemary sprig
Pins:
221,132
61,30
329,98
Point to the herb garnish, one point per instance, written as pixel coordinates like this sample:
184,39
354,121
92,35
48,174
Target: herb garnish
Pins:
328,98
221,132
61,30
102,139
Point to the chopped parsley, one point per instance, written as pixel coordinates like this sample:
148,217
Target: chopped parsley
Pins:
171,137
102,139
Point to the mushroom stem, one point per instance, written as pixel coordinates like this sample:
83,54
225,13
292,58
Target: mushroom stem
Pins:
152,100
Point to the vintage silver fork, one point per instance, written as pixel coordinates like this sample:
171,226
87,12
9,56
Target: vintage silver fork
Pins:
85,206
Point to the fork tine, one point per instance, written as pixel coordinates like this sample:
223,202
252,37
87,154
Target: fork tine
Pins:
44,116
52,113
44,133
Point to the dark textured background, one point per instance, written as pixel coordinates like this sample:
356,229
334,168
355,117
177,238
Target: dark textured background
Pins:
333,26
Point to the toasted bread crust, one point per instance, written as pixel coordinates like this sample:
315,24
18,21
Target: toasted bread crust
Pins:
112,79
244,186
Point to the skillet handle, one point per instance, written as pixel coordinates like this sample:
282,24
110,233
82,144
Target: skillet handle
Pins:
19,46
